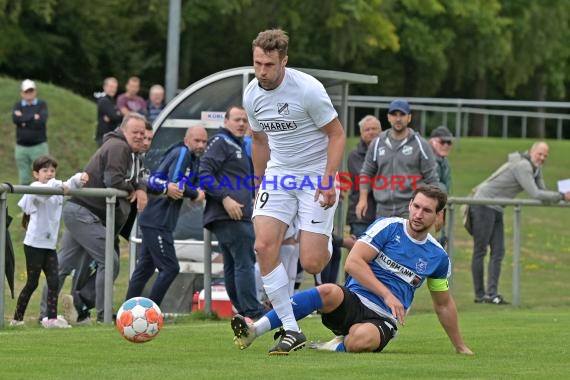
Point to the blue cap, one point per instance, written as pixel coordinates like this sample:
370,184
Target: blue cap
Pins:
399,105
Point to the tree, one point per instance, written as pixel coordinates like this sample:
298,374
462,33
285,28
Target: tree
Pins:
540,52
480,48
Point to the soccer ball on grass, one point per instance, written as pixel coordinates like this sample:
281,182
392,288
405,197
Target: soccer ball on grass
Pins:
139,320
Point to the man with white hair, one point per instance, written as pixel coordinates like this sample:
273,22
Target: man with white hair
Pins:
370,128
155,103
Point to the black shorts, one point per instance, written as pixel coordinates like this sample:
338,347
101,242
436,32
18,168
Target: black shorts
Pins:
352,311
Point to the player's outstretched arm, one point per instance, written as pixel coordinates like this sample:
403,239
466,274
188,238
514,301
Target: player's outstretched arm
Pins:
446,311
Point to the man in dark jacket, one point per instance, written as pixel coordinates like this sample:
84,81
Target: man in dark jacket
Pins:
370,128
224,171
30,116
108,115
179,168
114,165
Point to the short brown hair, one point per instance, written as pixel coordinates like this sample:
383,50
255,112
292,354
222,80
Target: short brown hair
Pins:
230,108
272,39
433,192
44,162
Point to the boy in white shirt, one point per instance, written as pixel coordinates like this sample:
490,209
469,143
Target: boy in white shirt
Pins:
42,215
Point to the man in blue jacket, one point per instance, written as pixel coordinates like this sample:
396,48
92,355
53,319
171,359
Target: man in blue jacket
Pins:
224,171
157,222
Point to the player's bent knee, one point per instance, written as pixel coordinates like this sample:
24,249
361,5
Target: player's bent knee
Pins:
327,291
314,264
313,268
362,338
265,247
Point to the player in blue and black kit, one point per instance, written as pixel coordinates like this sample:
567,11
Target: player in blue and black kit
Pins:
385,267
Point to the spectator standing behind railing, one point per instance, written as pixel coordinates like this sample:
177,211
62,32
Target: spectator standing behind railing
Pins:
114,165
42,215
30,115
229,206
441,141
522,172
158,220
84,294
370,128
399,159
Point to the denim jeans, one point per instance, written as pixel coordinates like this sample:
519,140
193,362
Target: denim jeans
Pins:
488,231
236,239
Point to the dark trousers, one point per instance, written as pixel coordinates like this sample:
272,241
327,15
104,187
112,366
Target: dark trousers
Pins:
329,274
357,229
157,252
38,260
488,231
236,239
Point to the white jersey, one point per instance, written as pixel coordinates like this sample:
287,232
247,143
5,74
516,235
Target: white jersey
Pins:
291,115
45,213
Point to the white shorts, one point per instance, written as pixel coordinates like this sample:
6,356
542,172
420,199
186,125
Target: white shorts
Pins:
296,206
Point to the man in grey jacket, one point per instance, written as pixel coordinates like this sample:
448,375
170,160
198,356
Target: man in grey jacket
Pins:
395,164
522,172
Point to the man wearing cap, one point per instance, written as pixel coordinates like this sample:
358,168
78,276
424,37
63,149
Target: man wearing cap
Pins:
396,162
30,116
441,141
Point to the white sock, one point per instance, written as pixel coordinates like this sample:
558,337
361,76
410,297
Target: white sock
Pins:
289,254
258,284
262,325
276,286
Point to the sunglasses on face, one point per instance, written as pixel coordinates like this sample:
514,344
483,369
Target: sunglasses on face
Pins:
444,142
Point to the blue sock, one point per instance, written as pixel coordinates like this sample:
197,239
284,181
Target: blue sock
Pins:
304,303
340,347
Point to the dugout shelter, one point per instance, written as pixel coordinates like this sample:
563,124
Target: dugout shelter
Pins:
204,102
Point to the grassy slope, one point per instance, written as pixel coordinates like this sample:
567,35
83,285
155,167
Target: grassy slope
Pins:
71,127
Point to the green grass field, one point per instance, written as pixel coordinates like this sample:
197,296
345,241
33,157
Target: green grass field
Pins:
527,342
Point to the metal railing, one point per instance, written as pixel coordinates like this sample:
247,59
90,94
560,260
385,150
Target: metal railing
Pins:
463,108
111,196
517,204
206,245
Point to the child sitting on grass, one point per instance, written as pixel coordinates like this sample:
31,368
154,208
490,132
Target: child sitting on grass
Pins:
42,215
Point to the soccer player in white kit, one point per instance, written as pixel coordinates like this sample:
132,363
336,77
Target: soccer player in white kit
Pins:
298,144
